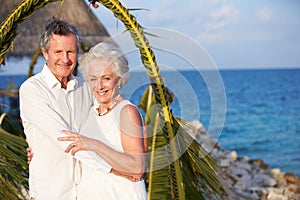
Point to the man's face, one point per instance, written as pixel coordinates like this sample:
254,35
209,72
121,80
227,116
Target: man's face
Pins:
61,57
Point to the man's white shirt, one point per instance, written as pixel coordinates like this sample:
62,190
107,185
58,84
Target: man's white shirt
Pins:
46,109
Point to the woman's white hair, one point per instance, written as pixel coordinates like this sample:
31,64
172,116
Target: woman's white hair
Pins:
106,50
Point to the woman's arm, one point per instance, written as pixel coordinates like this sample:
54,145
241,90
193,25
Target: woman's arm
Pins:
128,163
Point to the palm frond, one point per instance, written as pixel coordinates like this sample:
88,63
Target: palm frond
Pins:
13,166
149,61
135,9
202,177
158,169
33,62
8,28
207,175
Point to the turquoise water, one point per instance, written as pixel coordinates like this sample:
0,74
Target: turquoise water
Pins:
262,112
263,117
262,109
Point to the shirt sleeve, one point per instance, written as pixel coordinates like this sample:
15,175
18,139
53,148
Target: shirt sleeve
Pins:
35,109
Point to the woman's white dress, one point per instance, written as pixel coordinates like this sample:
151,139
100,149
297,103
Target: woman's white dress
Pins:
100,185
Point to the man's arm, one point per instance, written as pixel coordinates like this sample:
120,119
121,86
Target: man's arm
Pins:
35,108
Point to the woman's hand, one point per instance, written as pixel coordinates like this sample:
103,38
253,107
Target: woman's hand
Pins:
79,142
29,155
131,177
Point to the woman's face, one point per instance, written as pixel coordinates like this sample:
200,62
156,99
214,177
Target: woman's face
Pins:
103,81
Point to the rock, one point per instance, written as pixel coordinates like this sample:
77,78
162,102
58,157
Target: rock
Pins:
259,163
294,188
244,182
261,192
292,179
274,196
245,195
200,134
233,155
248,179
264,180
279,176
244,164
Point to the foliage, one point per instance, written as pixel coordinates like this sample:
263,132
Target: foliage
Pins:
13,166
8,28
148,59
202,178
33,62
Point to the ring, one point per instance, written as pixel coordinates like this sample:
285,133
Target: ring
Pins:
72,145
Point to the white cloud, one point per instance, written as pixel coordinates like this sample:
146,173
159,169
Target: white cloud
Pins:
264,14
222,17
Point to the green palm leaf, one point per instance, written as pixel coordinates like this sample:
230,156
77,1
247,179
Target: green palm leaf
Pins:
13,166
200,172
9,26
148,59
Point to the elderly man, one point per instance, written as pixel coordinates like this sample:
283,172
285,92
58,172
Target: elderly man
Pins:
52,101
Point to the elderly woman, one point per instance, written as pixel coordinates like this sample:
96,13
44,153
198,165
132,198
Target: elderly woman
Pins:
113,130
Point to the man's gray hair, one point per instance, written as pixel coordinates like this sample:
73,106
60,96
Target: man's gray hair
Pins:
57,26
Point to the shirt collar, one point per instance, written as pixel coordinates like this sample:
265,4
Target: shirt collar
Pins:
52,81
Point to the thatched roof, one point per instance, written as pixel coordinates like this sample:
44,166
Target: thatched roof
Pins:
74,11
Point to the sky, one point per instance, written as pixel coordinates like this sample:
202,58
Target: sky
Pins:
235,34
247,34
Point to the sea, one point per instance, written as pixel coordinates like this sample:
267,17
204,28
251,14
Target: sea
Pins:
254,112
